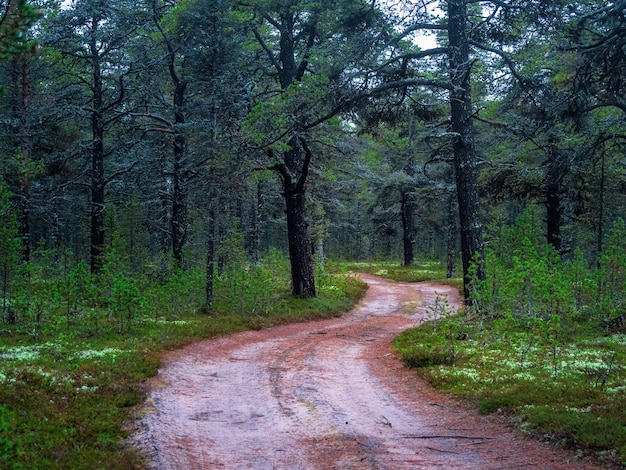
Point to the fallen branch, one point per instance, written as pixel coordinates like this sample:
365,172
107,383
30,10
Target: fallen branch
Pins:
385,421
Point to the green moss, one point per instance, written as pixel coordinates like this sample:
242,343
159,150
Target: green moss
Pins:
65,399
573,393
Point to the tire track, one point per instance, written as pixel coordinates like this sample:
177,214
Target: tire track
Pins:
322,395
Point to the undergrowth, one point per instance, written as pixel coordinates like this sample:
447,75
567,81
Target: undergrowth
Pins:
75,350
420,271
543,347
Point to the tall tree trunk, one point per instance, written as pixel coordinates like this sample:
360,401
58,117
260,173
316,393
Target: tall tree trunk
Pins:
465,158
408,228
600,231
179,198
210,258
176,214
21,82
97,161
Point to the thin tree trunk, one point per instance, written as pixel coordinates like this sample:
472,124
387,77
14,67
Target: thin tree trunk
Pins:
600,230
210,260
465,158
22,80
179,198
97,161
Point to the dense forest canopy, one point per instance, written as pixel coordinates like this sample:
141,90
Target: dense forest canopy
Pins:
322,129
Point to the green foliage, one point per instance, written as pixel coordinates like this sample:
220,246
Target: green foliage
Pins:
9,450
612,273
18,17
525,276
72,368
73,291
11,270
179,295
252,289
533,348
120,287
417,272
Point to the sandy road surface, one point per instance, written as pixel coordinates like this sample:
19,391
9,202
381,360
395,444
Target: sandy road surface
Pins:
322,395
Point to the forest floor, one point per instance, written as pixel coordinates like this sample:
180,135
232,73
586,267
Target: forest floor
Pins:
327,394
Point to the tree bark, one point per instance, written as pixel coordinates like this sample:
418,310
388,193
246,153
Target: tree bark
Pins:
21,83
179,198
408,227
465,158
210,259
300,256
300,253
452,230
97,158
554,208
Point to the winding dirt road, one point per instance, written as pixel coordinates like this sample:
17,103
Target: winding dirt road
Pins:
323,395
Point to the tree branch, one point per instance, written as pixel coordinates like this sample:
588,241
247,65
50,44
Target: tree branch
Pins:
348,102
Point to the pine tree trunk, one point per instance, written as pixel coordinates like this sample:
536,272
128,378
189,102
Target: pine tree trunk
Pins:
452,230
210,259
465,158
406,209
300,252
554,209
179,198
97,163
302,275
21,82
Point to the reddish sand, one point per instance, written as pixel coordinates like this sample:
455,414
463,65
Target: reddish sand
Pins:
324,395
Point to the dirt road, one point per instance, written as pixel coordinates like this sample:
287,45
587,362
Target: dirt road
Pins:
323,395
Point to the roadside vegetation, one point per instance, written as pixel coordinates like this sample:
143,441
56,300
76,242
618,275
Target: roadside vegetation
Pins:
544,346
419,271
74,356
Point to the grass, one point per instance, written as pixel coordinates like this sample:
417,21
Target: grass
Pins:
67,393
569,391
432,271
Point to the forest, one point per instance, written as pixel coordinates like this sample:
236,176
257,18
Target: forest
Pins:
170,166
